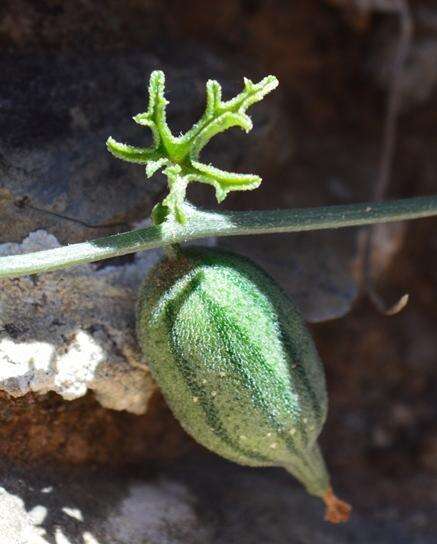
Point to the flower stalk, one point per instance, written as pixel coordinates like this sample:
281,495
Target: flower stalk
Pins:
201,224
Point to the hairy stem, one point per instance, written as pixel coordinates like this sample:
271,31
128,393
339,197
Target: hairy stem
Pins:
201,224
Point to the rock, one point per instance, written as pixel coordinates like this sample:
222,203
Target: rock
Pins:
419,74
94,509
73,330
47,429
202,501
58,109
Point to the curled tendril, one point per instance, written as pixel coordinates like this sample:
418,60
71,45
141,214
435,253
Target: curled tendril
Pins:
178,156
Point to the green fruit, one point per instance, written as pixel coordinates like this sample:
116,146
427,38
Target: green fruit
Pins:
236,363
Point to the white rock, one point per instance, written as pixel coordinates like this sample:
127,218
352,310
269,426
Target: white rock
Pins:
73,330
17,525
95,509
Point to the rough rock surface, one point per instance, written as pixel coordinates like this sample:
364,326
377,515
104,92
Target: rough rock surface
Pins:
47,429
52,509
73,331
175,507
58,109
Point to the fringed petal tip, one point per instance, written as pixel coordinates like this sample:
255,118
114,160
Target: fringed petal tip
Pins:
337,511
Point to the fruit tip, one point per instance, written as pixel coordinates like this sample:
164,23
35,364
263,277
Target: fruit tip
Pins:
337,511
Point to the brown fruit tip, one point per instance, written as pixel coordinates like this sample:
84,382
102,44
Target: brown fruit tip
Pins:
337,511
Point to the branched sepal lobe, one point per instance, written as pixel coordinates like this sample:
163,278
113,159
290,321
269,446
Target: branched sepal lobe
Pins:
178,156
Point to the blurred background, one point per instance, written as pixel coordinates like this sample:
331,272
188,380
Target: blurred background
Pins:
93,455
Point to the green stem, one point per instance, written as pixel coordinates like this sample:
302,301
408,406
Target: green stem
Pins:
201,224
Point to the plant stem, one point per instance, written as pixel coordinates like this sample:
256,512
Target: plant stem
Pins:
201,224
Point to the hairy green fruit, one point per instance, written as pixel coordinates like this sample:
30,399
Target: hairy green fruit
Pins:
236,364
